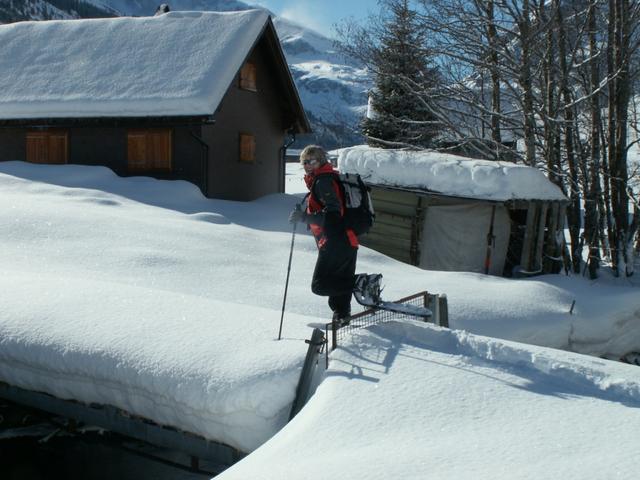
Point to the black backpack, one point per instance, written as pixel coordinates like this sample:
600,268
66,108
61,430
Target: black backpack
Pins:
359,214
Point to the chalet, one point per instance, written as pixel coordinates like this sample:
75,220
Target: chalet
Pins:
205,97
445,212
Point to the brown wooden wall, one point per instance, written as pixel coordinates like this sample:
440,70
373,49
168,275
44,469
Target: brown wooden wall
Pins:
107,146
256,113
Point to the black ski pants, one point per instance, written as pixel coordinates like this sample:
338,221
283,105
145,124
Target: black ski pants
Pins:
334,274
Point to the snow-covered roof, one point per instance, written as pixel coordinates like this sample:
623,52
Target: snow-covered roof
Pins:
448,174
179,63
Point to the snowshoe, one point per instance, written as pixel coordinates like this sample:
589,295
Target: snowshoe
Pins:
367,289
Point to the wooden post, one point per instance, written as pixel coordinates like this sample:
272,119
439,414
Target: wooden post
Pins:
304,384
537,265
525,258
431,305
443,310
416,232
550,247
435,309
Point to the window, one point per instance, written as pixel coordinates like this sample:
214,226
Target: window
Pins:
149,149
248,77
247,148
47,146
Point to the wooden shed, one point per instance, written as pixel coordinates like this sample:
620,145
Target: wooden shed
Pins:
504,229
205,97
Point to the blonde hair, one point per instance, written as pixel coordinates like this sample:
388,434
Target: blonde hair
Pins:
314,152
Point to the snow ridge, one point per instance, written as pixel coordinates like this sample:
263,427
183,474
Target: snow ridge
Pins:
583,372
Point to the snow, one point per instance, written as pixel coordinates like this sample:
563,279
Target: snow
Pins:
142,294
179,63
409,401
448,174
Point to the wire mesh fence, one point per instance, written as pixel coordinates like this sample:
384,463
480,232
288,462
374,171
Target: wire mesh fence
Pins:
374,316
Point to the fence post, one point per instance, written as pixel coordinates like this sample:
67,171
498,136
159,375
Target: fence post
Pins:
433,305
443,311
304,384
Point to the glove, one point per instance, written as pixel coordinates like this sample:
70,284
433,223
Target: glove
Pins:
297,216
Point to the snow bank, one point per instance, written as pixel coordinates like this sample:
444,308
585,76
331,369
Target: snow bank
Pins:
412,401
448,174
157,308
204,366
179,63
142,294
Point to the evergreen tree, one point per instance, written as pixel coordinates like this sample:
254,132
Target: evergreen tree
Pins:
399,115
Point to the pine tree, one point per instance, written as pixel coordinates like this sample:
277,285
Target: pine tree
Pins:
402,73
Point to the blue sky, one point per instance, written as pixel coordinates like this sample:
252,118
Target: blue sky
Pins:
320,15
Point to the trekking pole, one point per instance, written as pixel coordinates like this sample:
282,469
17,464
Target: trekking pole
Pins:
286,285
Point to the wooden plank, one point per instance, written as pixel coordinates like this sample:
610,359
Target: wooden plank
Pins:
384,216
393,196
394,202
391,250
387,238
383,228
393,209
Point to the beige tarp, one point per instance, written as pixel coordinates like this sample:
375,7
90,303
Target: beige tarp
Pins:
455,238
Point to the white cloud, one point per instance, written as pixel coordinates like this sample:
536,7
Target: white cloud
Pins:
308,14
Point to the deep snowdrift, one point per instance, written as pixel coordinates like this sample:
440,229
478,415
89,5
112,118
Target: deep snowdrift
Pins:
412,401
142,294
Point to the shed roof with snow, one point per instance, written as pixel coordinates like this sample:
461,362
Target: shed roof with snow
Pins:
176,64
450,175
445,212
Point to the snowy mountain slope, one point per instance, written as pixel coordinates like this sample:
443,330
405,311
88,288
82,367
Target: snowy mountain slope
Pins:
51,10
333,88
141,8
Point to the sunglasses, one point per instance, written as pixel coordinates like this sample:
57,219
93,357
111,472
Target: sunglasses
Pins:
309,161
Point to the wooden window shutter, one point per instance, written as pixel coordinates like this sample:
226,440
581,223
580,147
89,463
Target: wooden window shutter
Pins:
137,150
248,77
37,143
159,148
58,147
247,148
149,149
47,146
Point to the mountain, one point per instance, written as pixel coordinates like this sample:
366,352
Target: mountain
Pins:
19,10
332,88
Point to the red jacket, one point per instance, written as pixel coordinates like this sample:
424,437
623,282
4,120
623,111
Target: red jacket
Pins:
315,206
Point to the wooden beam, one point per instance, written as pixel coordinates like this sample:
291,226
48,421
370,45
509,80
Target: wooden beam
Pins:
551,251
525,258
416,231
537,254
